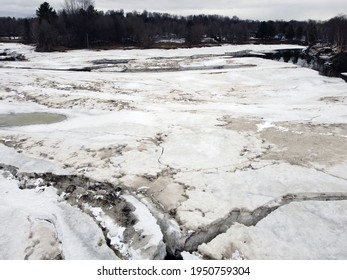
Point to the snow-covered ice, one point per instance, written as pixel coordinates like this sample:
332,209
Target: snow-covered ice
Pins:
201,148
35,225
305,230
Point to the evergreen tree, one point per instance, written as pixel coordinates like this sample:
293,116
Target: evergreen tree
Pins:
266,29
46,12
46,32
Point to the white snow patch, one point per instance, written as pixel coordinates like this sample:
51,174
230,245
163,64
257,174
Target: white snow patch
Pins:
27,163
20,214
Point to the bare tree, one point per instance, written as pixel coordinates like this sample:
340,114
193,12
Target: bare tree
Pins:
336,30
73,6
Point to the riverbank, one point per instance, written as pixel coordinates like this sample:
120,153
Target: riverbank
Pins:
334,59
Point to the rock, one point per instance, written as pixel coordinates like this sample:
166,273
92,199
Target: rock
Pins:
71,189
339,62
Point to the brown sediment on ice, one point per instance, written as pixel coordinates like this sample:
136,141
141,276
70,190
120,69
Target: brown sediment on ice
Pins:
303,144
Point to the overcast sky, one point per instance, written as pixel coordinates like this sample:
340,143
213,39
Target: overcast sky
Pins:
244,9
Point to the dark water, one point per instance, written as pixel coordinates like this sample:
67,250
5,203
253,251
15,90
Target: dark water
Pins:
298,57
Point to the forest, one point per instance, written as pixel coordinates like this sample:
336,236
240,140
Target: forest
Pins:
80,25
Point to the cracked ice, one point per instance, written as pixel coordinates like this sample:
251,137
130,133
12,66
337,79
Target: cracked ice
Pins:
230,158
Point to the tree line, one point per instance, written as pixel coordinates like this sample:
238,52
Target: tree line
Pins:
79,25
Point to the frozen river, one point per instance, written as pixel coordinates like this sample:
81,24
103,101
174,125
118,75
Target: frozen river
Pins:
189,153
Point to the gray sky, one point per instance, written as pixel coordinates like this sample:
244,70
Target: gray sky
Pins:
244,9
